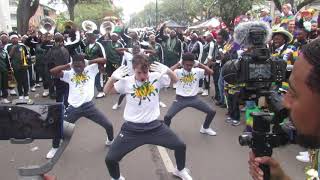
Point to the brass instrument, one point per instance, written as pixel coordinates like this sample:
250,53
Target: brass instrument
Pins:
107,27
24,58
89,26
69,24
47,25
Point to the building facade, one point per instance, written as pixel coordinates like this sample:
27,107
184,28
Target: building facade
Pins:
8,15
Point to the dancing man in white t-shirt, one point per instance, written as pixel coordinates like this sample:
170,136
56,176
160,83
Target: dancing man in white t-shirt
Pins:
80,75
187,90
141,114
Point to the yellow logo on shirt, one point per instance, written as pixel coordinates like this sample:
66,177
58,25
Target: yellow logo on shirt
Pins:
80,78
188,79
144,91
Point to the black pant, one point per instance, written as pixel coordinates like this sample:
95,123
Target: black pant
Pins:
62,91
134,135
111,67
31,80
21,76
4,84
233,106
183,102
216,76
43,72
97,82
89,111
121,97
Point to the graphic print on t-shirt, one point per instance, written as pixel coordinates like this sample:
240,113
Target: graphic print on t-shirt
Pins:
188,79
144,91
81,78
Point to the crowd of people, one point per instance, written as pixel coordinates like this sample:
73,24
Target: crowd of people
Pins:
71,65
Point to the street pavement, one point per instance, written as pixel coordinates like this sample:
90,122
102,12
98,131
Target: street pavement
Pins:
209,158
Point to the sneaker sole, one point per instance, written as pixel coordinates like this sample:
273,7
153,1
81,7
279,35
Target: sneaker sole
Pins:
208,134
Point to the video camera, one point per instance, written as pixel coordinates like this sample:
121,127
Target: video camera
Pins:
256,68
21,124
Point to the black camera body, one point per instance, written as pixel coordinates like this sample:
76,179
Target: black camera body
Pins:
256,67
259,70
31,121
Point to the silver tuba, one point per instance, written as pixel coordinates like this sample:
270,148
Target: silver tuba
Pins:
89,26
107,27
47,25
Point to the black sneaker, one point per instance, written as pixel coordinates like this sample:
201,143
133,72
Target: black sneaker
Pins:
235,123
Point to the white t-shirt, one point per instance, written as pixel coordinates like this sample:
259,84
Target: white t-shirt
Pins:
81,87
188,83
127,58
142,98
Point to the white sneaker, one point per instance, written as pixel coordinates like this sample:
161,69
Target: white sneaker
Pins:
205,92
304,159
120,178
45,94
208,131
37,85
184,174
200,90
5,101
304,153
163,105
13,92
26,97
101,95
108,143
115,106
20,97
33,89
51,153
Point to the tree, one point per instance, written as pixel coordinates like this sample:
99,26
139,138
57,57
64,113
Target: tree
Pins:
298,4
71,5
229,10
95,11
26,9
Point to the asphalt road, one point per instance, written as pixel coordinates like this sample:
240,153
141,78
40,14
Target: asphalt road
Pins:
208,158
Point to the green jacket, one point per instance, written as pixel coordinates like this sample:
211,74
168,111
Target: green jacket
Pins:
111,52
97,51
19,59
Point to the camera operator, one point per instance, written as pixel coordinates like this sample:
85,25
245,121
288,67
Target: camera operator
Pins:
302,100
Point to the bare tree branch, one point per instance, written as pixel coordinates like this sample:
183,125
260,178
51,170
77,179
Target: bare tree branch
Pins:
304,3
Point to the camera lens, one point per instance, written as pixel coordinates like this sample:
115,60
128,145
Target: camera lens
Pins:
245,140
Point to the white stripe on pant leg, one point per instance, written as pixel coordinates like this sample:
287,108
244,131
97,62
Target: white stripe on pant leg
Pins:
166,159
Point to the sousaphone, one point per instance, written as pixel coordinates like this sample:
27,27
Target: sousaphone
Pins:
107,27
89,26
47,25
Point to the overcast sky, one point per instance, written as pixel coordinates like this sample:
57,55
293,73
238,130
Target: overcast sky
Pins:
131,6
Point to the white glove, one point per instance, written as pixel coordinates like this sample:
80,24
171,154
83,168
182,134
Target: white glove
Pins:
196,63
158,67
120,72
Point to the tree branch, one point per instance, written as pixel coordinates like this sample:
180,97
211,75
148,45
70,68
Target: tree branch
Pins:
304,3
278,4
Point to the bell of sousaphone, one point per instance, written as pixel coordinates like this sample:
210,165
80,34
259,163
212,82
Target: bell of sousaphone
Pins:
106,27
47,25
89,26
